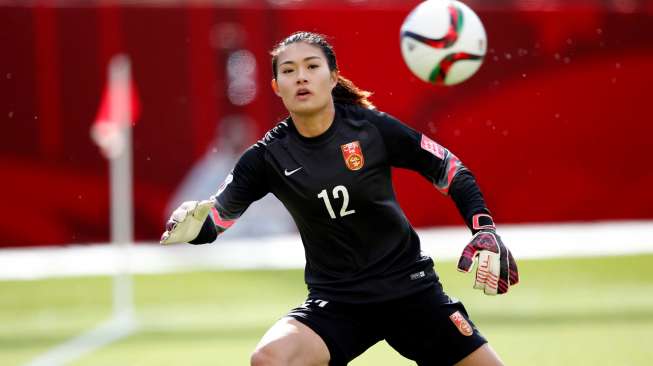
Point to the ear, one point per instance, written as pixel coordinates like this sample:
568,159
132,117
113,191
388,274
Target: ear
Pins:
275,87
334,78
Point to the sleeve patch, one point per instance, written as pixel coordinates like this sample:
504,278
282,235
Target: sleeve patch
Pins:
224,184
432,147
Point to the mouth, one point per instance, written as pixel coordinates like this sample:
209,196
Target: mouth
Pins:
303,93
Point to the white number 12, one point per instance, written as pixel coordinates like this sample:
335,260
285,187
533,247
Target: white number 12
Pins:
336,194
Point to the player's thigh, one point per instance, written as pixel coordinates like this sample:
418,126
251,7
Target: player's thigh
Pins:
432,329
483,356
289,342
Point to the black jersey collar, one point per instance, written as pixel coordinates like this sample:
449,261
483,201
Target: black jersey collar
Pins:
326,135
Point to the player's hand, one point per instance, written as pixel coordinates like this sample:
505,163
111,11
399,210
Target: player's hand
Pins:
186,222
496,270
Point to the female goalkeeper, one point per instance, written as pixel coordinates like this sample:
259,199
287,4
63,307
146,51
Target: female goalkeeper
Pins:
329,162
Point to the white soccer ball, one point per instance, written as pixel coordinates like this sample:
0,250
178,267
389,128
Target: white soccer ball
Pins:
443,41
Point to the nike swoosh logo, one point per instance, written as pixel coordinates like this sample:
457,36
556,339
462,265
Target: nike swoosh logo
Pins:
288,173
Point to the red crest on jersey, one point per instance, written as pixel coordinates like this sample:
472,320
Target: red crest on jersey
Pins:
461,323
353,155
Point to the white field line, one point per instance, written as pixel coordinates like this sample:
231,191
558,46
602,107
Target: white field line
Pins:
75,348
525,241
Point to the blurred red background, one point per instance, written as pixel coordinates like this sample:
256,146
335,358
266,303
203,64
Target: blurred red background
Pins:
556,125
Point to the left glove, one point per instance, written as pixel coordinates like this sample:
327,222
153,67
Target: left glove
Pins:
186,222
496,270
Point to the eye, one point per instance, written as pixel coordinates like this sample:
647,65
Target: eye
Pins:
313,66
286,71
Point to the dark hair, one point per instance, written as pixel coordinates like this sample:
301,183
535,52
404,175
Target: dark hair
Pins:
345,91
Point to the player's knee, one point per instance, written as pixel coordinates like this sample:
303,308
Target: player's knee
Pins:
267,356
260,358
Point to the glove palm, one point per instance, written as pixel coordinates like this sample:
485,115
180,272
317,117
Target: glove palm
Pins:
186,222
496,270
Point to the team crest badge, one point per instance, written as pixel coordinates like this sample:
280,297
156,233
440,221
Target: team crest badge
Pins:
461,323
353,155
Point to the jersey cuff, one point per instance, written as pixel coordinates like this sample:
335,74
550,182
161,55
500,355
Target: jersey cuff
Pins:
220,223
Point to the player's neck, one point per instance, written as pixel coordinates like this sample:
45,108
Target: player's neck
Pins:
315,124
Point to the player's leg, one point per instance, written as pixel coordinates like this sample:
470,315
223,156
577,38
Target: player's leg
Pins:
432,329
318,332
288,343
483,356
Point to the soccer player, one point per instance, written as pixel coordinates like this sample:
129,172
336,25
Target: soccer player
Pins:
330,163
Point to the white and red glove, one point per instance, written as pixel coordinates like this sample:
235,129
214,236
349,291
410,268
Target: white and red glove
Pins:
496,270
186,222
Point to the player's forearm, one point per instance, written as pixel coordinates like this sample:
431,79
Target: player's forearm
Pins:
213,226
469,200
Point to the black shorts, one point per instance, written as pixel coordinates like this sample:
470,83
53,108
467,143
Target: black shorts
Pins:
428,327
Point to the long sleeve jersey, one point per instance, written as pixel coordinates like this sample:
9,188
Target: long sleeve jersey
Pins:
359,245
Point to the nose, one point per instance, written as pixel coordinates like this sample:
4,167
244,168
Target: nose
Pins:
301,76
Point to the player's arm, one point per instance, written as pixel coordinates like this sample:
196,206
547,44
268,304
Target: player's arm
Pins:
201,222
496,270
410,149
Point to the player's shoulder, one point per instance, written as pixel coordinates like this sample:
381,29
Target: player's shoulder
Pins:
354,112
386,124
360,114
274,135
256,153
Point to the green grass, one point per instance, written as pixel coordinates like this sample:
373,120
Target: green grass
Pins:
595,311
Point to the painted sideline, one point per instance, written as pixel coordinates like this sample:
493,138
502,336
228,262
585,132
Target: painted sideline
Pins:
85,343
525,241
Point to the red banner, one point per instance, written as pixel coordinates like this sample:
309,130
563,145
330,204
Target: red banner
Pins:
554,125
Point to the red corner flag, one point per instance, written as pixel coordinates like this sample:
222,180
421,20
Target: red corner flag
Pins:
119,108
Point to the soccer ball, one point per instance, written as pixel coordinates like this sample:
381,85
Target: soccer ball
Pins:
443,42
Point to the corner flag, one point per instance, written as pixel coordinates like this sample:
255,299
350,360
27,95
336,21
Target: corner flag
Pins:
119,108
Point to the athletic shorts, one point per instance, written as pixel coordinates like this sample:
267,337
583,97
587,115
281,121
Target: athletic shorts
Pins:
427,327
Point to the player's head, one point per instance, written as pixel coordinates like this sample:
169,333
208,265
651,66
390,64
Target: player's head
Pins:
306,60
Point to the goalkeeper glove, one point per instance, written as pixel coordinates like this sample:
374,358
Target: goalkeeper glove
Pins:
186,222
497,269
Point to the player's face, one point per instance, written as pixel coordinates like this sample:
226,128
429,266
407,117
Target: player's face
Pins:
304,81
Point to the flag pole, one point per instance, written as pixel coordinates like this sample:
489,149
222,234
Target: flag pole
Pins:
112,131
122,217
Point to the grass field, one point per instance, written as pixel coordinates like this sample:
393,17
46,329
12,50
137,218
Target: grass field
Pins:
596,311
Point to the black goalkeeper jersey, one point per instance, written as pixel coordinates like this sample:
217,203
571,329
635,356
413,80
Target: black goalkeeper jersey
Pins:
358,243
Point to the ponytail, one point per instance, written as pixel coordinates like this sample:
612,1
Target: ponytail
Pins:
346,92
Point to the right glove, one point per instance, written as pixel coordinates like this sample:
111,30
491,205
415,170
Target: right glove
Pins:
496,270
186,222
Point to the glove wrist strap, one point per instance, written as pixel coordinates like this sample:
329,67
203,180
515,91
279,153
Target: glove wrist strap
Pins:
482,221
